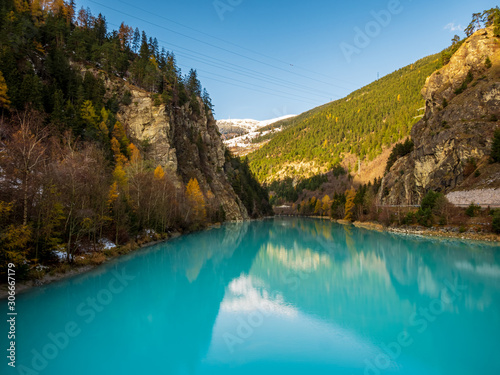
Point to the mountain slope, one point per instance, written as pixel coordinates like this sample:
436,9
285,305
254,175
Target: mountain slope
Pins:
453,140
361,124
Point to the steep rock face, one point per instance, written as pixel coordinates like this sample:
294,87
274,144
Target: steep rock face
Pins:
456,126
146,122
469,57
186,143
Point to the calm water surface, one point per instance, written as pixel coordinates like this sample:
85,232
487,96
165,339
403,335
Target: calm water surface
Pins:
282,296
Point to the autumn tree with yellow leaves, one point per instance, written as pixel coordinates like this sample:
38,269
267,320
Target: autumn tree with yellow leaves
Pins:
14,239
326,204
196,201
4,98
349,204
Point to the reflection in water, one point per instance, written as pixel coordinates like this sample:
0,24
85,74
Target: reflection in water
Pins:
274,296
246,294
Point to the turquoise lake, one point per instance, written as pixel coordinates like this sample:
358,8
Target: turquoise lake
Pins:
278,296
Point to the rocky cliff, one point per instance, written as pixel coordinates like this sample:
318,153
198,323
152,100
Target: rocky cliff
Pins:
184,142
462,111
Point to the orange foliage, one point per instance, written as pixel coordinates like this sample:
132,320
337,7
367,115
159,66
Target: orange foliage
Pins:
4,98
349,204
135,154
159,173
196,199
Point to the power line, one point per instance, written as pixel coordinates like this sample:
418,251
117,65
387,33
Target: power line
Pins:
260,88
244,68
244,74
247,83
235,44
252,89
237,67
212,45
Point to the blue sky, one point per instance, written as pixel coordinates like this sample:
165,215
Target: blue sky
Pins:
268,58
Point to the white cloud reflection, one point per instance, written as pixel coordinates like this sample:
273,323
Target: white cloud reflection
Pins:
246,294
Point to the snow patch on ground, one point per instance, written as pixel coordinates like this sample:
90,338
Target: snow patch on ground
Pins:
61,255
41,267
107,244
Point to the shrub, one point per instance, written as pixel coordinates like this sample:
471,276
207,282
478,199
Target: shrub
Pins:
410,218
338,170
127,98
487,62
92,259
472,210
434,203
399,150
424,217
430,200
442,208
495,147
496,222
465,83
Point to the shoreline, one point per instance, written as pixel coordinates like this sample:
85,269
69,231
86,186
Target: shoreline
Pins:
432,232
24,286
425,232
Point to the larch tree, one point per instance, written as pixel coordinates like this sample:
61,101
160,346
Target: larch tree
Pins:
317,207
349,204
14,239
196,200
125,34
327,202
4,98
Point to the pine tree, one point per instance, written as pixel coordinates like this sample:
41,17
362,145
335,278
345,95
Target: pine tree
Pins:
156,48
136,42
192,83
495,148
144,52
207,100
